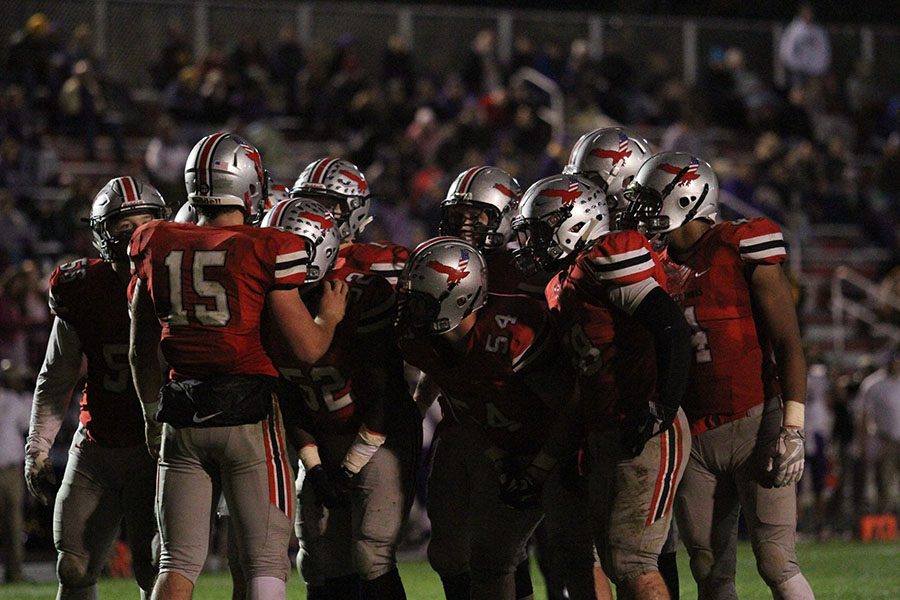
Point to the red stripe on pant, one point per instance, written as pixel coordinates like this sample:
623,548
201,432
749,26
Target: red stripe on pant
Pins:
270,464
660,477
283,464
679,457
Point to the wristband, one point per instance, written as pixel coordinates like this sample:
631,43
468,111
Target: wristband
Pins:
543,461
309,456
365,445
793,414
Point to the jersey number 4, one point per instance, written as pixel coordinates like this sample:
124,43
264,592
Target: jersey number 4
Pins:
202,287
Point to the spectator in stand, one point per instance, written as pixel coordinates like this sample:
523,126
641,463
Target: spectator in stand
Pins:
28,55
818,439
481,71
84,106
881,410
285,64
15,406
164,161
174,56
804,50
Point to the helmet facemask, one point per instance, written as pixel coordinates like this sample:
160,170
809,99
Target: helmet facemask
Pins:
474,222
538,249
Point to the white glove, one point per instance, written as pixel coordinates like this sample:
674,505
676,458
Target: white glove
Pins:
39,476
786,462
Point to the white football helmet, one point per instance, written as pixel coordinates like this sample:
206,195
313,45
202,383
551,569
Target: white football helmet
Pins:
120,197
610,157
559,216
187,214
342,188
444,281
669,190
316,225
224,170
487,191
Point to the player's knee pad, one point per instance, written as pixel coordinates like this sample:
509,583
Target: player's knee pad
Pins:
446,560
774,563
372,559
702,562
73,571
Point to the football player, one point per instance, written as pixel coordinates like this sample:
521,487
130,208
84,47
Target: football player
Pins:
359,457
497,362
109,474
630,346
610,157
199,297
479,208
341,187
745,409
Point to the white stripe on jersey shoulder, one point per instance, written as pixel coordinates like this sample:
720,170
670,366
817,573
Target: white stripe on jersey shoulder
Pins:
281,273
614,258
282,258
625,271
761,254
761,239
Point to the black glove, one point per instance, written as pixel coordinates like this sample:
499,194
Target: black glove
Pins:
326,491
637,431
343,480
518,489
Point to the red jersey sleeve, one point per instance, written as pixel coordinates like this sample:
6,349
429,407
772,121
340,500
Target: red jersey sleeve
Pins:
619,258
138,251
290,260
64,289
759,241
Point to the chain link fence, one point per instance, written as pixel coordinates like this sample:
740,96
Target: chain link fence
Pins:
129,34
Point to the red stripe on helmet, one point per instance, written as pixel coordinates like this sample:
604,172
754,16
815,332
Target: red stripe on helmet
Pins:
202,165
467,179
321,168
129,189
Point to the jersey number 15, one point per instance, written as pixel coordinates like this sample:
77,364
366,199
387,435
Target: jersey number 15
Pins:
202,287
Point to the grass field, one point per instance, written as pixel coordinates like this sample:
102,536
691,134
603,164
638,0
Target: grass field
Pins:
836,570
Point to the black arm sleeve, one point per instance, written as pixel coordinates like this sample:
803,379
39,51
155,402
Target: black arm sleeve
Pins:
672,337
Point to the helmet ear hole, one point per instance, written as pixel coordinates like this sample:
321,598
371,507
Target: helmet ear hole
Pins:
684,201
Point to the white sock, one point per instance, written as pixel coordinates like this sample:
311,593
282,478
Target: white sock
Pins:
266,588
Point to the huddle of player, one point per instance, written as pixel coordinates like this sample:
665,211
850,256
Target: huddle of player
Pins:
604,353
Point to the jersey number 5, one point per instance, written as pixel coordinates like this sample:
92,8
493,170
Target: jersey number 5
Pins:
202,287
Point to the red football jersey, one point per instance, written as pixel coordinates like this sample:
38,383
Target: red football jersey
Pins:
209,286
512,337
88,295
335,389
505,278
614,355
732,373
379,258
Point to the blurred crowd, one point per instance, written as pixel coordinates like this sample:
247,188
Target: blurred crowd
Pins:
825,145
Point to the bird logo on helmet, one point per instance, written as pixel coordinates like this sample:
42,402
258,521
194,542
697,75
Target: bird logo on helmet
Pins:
444,281
315,224
610,157
342,188
559,216
669,190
